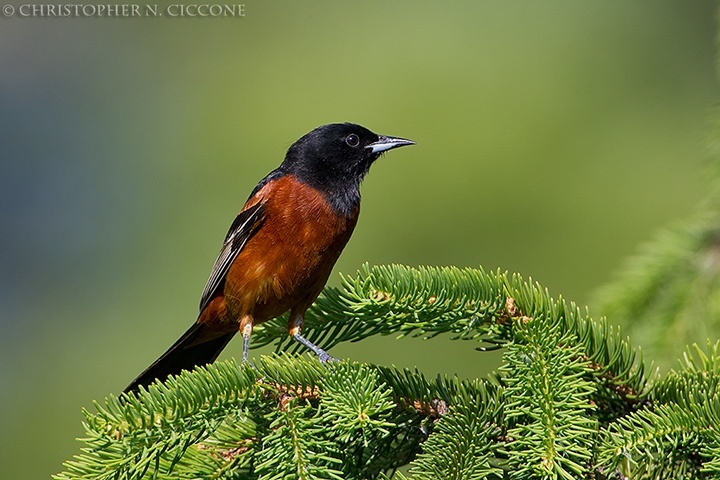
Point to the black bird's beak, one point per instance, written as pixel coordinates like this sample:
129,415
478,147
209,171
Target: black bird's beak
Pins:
387,143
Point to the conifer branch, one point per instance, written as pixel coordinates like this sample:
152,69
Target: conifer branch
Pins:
678,430
548,405
469,303
664,293
571,400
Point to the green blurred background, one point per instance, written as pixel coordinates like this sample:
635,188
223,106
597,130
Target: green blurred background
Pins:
552,138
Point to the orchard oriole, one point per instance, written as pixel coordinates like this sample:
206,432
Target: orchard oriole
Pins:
282,246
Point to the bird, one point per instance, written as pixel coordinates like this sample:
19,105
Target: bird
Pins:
281,247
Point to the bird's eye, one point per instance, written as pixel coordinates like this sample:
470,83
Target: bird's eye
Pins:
352,140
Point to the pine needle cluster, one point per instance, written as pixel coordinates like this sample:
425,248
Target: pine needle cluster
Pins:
571,400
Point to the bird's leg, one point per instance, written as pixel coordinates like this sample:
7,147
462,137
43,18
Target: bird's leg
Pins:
246,325
295,326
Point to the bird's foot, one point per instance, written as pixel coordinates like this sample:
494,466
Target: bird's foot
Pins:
325,357
248,362
322,355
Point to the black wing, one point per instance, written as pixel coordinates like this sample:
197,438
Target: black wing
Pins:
243,227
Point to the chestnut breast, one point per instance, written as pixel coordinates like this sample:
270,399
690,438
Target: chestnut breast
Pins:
288,260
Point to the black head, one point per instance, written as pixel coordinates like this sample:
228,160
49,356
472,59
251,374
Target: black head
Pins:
334,159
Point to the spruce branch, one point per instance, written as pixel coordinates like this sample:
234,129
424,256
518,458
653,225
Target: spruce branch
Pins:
470,303
289,414
571,400
463,443
669,285
676,434
294,434
548,402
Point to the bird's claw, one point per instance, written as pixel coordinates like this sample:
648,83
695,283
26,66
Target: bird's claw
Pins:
246,361
325,357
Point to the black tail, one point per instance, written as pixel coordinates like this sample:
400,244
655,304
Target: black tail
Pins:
188,352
